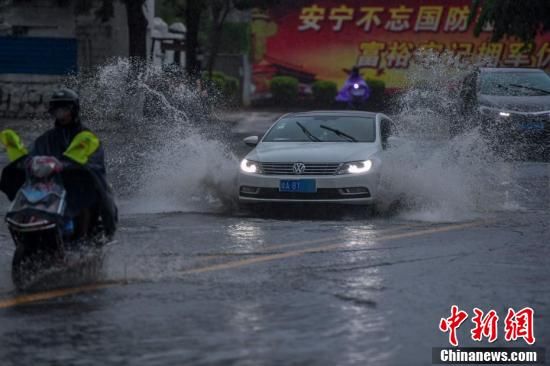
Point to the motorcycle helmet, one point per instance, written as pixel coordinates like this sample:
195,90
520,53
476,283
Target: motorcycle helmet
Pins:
64,98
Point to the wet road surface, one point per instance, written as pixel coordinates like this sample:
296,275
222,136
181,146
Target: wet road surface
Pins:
215,289
331,289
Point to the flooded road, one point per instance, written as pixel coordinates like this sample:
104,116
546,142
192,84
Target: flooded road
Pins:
199,288
190,279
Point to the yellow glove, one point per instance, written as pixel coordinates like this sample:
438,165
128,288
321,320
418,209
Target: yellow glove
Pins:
12,142
82,147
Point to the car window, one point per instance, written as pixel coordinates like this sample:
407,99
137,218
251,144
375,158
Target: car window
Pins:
323,128
514,83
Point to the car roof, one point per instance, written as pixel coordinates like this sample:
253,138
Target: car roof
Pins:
509,69
334,112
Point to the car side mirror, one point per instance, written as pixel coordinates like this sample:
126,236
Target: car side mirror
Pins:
251,140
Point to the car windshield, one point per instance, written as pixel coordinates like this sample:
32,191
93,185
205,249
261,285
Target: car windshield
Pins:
515,83
323,129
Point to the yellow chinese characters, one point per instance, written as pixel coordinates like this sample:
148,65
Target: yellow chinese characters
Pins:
428,18
399,19
340,15
310,17
370,54
457,19
370,17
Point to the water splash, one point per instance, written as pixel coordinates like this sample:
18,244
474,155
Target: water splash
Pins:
169,152
439,175
166,149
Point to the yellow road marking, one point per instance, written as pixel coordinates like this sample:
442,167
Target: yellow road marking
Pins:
296,253
303,242
47,295
40,296
295,244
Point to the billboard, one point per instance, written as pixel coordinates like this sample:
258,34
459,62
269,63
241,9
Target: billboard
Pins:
318,40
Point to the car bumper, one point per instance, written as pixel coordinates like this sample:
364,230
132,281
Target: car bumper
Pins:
521,128
357,189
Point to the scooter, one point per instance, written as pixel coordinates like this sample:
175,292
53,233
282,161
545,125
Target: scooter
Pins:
37,218
355,92
359,93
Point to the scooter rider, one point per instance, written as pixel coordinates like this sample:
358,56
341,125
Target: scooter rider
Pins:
354,82
84,204
65,108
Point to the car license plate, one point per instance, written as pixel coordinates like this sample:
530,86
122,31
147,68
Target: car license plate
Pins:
532,126
298,185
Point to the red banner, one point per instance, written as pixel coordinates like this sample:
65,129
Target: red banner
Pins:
317,40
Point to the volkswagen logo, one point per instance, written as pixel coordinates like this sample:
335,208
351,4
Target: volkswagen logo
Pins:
299,168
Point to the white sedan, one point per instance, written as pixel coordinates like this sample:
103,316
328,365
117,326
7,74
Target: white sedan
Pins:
324,157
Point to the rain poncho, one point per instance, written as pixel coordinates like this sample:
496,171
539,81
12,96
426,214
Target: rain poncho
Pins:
56,141
86,188
344,95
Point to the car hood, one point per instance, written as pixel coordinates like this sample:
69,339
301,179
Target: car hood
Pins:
312,152
519,104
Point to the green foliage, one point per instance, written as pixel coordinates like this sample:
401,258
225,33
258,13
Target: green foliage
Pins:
235,38
512,18
170,11
226,85
231,86
376,86
324,92
217,79
376,100
284,89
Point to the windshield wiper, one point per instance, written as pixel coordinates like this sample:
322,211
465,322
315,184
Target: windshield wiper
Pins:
530,88
502,86
306,132
339,133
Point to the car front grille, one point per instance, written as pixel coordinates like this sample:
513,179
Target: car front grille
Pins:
522,128
321,194
310,168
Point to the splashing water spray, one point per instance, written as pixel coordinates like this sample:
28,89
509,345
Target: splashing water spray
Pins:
168,151
164,143
436,174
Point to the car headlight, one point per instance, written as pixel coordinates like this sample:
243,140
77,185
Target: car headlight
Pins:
249,166
356,167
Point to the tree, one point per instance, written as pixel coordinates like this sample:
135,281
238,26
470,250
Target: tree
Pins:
193,12
137,28
137,23
190,13
512,18
219,9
